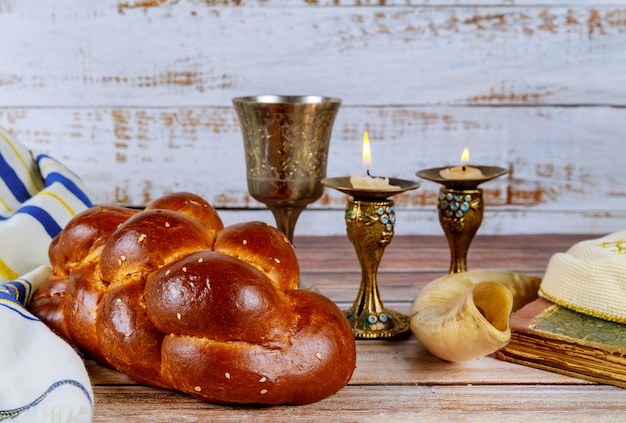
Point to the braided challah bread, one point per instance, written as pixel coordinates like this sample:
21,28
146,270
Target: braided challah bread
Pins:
174,299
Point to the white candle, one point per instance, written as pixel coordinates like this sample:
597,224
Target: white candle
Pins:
371,182
462,172
359,181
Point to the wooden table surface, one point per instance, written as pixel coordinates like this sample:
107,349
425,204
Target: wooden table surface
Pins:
397,380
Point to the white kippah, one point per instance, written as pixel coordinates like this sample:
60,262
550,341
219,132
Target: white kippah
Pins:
590,278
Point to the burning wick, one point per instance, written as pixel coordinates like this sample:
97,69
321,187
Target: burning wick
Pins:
462,172
368,181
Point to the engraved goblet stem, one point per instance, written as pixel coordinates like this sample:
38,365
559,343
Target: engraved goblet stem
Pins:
286,218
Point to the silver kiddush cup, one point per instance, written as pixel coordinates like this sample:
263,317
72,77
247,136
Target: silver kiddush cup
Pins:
286,141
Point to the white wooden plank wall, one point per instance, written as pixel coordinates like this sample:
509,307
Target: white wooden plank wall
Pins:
135,96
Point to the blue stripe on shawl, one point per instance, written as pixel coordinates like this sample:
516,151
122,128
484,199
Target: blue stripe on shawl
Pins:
53,177
71,186
10,414
15,184
18,290
12,305
43,217
42,156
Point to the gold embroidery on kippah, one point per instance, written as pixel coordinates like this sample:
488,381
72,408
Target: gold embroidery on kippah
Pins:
620,246
583,310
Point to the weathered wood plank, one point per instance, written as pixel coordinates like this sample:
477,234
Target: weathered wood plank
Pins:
135,97
386,403
406,363
11,5
425,254
503,221
395,380
142,4
326,267
546,242
562,161
203,53
409,262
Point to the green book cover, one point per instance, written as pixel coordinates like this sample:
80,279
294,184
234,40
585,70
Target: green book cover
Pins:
566,323
547,336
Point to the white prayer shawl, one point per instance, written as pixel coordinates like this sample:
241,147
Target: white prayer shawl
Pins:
42,379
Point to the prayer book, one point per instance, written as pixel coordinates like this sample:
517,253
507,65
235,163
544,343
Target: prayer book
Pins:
553,338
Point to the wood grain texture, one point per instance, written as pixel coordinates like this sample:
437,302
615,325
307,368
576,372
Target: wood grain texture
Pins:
405,363
385,404
201,53
397,380
135,96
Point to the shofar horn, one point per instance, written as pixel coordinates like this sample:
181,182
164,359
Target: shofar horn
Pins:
462,316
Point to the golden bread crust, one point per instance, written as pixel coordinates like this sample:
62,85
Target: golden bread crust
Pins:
174,299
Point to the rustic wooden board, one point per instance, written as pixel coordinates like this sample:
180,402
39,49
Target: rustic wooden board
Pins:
381,404
431,254
133,156
405,363
10,5
136,98
557,158
410,262
396,380
181,53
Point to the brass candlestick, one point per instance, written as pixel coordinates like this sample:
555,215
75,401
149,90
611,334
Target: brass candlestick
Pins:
460,207
370,218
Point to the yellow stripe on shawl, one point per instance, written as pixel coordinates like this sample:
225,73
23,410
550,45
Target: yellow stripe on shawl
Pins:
45,164
60,200
34,180
6,272
6,206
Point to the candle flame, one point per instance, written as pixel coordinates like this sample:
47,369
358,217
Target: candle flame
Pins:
465,155
367,151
